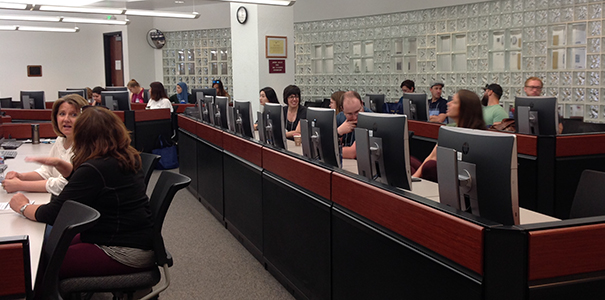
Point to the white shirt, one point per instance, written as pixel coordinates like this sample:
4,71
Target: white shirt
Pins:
162,103
54,180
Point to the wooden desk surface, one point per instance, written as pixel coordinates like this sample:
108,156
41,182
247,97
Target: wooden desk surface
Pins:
430,190
12,223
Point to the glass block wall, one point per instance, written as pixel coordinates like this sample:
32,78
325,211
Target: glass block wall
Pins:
464,46
197,57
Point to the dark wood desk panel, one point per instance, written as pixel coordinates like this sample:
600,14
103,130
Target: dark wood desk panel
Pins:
180,108
527,144
120,114
445,234
250,151
566,251
138,106
188,124
49,104
151,114
6,119
28,114
578,145
210,134
313,178
11,277
24,130
424,129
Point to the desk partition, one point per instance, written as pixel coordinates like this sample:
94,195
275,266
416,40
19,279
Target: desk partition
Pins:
325,233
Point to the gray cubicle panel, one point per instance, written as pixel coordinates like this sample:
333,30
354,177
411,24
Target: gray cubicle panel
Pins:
188,158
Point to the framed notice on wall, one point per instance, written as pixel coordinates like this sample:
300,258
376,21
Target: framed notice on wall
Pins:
276,47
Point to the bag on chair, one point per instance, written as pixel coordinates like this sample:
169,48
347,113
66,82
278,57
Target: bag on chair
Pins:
168,152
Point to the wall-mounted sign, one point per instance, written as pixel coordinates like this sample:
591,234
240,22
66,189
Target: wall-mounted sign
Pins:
277,66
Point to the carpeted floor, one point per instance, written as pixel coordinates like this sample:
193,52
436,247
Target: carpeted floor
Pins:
209,263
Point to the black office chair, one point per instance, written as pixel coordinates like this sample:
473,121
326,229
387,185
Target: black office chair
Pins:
149,161
6,102
166,187
73,218
588,200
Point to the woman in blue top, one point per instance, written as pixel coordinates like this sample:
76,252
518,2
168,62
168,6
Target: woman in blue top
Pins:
182,95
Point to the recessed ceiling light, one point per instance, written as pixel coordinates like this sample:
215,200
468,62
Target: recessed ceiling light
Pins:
179,2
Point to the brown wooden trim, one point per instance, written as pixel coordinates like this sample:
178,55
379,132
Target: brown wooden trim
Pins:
313,178
424,129
187,124
151,114
210,134
24,130
13,273
48,104
445,234
180,108
120,114
566,251
6,119
576,145
245,149
138,106
28,114
527,144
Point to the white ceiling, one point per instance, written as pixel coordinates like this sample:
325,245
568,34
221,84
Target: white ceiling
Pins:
188,5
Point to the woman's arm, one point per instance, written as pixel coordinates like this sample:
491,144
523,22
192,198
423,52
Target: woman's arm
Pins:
17,202
62,166
432,156
15,184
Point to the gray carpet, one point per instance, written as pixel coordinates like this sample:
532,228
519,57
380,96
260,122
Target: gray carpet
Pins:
209,263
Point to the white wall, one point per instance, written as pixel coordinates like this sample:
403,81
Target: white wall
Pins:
141,57
67,60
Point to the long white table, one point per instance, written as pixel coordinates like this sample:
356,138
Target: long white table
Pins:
430,190
12,223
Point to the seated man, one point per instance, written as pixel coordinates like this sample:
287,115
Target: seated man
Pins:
437,104
407,86
533,87
346,121
493,113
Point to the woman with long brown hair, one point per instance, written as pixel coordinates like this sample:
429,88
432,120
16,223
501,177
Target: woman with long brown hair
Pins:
105,175
465,110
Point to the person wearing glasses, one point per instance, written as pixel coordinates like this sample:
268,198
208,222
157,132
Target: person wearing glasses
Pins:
220,89
157,97
533,87
182,95
105,174
64,113
346,121
293,111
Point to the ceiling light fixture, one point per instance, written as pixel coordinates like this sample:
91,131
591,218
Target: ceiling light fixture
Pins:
163,14
267,2
44,29
13,6
29,18
8,27
95,21
88,10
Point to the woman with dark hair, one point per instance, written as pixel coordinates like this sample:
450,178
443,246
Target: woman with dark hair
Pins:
267,95
157,97
137,93
106,175
465,110
336,101
182,95
220,89
293,111
96,95
64,113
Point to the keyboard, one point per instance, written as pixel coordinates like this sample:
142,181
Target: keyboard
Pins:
8,153
3,168
11,145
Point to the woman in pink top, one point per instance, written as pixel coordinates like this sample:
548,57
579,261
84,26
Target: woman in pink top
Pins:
137,91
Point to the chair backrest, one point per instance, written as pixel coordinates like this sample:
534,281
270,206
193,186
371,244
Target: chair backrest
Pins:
587,201
73,218
6,102
148,161
165,188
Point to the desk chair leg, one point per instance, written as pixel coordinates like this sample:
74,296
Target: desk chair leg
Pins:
154,294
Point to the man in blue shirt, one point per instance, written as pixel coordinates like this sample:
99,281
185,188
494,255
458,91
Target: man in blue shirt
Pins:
407,86
346,121
437,104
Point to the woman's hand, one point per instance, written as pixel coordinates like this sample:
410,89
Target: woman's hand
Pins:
62,166
13,174
17,201
12,185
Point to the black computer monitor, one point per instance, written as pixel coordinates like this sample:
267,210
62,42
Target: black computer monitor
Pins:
220,111
477,171
32,100
116,88
115,100
206,109
319,137
242,113
415,106
382,149
73,91
201,93
374,102
536,115
271,124
6,102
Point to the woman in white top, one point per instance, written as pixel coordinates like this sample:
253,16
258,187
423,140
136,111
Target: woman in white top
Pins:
48,179
158,97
